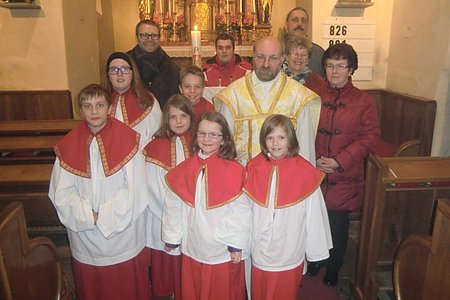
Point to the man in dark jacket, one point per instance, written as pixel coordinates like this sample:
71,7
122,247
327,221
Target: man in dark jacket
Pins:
158,73
226,66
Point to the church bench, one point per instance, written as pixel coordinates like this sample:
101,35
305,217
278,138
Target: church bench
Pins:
29,184
14,149
35,105
406,122
37,127
407,126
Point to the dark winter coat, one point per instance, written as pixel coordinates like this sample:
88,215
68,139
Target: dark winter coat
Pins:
158,73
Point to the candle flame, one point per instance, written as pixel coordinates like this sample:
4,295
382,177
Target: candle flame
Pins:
195,27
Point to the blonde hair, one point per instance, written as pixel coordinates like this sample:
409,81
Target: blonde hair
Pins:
269,125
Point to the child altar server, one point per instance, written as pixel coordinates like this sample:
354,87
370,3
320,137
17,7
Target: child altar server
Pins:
99,191
171,145
289,217
207,216
131,102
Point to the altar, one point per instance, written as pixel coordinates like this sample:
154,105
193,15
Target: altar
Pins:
208,51
245,20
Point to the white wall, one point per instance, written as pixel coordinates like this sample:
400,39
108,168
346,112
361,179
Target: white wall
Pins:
32,48
381,13
419,60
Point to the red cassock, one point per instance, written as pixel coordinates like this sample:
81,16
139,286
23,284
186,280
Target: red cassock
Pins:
291,181
165,268
110,281
218,278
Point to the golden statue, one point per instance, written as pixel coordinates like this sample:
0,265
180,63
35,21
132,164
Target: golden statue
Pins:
264,11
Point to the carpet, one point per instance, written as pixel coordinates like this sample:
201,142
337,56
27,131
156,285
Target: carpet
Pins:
313,288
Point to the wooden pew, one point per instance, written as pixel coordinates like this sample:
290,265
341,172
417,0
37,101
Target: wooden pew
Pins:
37,127
29,184
29,269
16,149
32,141
35,105
422,263
405,118
400,198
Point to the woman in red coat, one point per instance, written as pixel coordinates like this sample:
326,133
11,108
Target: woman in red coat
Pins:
347,132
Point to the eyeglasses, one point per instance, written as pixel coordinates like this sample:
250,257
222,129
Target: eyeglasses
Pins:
340,67
123,69
211,135
262,59
298,54
145,36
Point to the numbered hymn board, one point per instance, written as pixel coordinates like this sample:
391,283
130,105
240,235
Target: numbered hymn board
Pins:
358,32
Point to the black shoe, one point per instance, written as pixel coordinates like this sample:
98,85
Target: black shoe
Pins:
313,269
331,278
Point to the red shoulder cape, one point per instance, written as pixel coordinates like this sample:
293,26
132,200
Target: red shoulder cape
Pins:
117,144
224,179
162,151
296,180
132,112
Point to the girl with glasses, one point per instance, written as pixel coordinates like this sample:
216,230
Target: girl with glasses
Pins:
131,102
207,217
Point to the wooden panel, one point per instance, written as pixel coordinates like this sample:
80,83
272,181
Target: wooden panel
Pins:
407,212
33,176
37,127
400,199
39,211
35,105
36,143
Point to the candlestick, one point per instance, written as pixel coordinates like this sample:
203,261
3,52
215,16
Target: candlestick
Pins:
170,7
160,6
228,7
240,6
174,37
254,5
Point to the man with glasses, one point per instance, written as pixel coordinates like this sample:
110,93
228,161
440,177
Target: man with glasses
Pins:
226,66
247,102
297,22
158,73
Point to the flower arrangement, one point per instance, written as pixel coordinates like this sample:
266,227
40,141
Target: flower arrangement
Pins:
167,19
221,25
157,18
234,22
181,27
